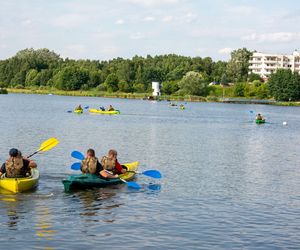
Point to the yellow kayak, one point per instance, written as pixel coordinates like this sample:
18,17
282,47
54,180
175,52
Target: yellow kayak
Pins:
78,111
99,111
17,185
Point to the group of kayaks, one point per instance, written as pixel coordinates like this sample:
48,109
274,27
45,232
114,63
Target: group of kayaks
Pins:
79,181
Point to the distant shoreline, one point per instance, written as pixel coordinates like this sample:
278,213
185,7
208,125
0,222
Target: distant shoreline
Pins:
144,96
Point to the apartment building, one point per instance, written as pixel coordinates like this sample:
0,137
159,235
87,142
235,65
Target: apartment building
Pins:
265,64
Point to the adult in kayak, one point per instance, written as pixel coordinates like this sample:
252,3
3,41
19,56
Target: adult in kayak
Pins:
259,117
91,165
16,166
79,108
111,164
110,108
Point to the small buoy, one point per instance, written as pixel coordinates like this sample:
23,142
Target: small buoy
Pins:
284,123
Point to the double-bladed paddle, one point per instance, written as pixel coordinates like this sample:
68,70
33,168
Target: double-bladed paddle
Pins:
150,173
46,145
70,111
77,155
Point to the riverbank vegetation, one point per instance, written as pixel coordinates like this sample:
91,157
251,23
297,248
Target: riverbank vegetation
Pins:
183,78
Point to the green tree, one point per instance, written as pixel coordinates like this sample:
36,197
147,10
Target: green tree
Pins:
139,87
239,89
169,87
224,80
262,91
193,83
71,78
254,77
284,85
124,86
112,82
238,65
30,76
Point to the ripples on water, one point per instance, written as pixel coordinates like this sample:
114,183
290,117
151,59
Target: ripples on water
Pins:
228,183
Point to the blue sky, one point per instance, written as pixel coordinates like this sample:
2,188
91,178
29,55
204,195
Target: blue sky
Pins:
98,29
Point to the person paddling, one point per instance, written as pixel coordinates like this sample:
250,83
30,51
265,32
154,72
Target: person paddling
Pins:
79,107
111,108
111,164
16,166
91,165
259,117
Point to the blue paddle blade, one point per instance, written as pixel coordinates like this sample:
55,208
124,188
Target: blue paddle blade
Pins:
77,155
86,107
132,184
152,173
154,187
251,111
69,111
76,166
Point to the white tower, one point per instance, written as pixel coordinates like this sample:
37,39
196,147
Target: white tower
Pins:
156,88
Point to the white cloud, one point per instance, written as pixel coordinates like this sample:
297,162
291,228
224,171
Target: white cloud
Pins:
242,10
149,19
3,46
272,37
110,50
225,51
136,36
69,20
78,48
26,22
167,19
200,50
189,17
151,3
119,22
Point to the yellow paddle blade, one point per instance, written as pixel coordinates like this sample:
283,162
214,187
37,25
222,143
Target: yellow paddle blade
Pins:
47,145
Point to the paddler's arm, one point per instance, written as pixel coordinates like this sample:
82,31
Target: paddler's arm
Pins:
2,169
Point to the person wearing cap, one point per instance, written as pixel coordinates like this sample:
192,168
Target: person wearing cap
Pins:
16,166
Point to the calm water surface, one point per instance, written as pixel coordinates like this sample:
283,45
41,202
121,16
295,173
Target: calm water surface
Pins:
228,183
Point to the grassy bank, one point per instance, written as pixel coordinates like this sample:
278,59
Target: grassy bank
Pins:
94,93
216,96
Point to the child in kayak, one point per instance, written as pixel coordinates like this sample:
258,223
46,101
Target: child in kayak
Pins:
91,165
110,163
16,166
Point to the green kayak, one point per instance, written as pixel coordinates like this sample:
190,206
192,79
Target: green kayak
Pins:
84,181
260,121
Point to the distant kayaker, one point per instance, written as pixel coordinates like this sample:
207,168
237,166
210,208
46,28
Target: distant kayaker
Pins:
111,164
78,107
259,117
91,165
110,108
17,166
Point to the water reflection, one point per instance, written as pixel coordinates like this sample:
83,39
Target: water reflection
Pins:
95,200
154,187
44,225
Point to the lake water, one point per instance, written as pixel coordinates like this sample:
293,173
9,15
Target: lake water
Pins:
228,183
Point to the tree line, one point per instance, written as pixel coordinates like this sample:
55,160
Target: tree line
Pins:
180,75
